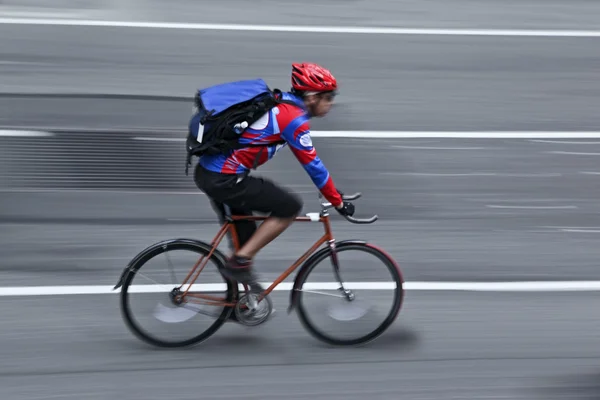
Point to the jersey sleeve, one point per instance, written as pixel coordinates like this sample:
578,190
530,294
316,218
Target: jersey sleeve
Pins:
297,134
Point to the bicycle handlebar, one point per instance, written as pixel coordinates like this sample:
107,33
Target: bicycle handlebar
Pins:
361,220
352,196
346,197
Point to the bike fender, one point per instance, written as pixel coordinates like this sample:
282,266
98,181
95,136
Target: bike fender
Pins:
304,268
157,247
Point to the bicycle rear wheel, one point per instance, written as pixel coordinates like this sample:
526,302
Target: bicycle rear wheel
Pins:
161,298
351,315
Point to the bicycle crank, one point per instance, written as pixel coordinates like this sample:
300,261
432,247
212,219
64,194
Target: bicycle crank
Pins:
250,312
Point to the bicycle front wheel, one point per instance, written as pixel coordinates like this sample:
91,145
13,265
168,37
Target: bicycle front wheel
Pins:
339,305
171,319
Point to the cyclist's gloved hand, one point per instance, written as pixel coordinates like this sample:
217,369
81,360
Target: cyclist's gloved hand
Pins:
346,209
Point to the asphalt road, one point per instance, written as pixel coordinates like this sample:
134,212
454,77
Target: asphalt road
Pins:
399,83
449,209
76,206
517,14
446,346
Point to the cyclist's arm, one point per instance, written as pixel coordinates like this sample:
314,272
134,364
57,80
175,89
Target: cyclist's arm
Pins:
297,134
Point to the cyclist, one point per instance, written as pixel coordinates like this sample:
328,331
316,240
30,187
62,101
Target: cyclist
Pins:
224,177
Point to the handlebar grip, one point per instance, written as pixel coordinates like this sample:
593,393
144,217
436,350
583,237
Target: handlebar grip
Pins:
354,196
361,220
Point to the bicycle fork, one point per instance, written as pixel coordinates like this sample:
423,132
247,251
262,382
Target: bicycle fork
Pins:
335,263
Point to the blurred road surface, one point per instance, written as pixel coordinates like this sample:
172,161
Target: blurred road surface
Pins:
399,83
515,14
445,346
450,209
77,205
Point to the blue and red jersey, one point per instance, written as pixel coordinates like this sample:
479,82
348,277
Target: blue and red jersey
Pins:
285,122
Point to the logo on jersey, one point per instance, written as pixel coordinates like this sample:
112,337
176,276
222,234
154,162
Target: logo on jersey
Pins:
305,140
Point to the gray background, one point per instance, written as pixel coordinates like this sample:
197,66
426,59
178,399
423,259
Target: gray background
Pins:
75,207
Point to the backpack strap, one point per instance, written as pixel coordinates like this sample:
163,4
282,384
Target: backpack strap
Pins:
277,99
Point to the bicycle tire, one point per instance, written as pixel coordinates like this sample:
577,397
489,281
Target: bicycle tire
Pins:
381,328
156,250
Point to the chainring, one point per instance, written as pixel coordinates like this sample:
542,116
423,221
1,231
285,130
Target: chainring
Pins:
246,316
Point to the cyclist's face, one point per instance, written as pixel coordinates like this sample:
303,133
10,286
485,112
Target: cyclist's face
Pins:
322,104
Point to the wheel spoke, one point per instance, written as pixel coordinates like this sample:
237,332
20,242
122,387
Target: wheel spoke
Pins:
323,293
172,269
167,288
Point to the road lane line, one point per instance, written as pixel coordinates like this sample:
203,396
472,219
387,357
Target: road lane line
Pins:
423,134
487,174
305,29
370,135
582,230
532,207
572,153
442,148
18,133
561,141
525,286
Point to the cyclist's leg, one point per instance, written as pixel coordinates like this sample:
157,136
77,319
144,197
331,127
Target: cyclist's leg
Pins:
244,229
268,231
219,188
257,194
264,196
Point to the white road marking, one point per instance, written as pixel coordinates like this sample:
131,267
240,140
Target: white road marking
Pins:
158,139
589,172
458,134
442,148
304,29
532,207
573,153
526,286
526,175
561,141
356,142
18,133
518,200
101,191
382,135
582,230
570,227
17,14
21,63
425,134
499,174
439,174
190,219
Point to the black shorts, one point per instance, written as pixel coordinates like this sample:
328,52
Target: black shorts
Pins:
243,197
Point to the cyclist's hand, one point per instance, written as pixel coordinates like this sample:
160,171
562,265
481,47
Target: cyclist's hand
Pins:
346,209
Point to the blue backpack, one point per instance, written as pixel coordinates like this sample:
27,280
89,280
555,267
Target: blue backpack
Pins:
223,112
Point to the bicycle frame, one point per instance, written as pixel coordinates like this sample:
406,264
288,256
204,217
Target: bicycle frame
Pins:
306,263
229,227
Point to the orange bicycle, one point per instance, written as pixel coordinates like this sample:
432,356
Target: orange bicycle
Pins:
185,299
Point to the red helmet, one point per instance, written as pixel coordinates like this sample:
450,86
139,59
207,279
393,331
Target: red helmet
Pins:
312,77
